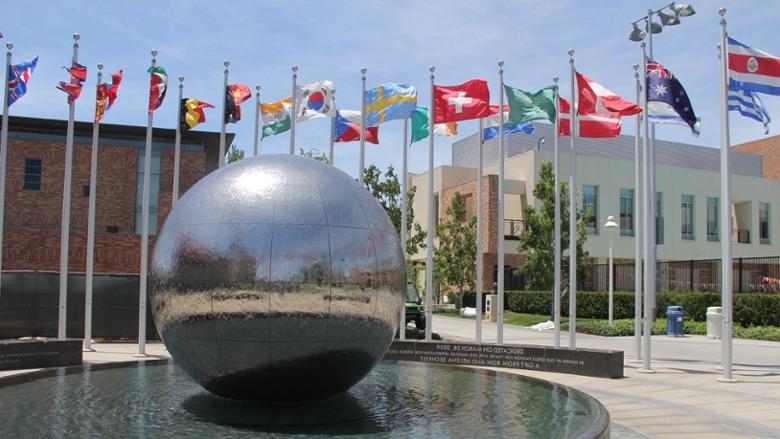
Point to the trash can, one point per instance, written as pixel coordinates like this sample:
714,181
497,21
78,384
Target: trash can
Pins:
674,321
491,307
714,322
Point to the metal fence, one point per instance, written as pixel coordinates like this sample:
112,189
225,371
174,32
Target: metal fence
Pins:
749,274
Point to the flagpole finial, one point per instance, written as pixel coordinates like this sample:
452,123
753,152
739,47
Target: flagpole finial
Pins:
555,79
432,69
9,46
100,66
571,53
257,87
363,70
722,12
154,53
181,79
76,37
294,68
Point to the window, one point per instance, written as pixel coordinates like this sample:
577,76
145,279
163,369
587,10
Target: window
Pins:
763,223
686,211
590,203
626,212
713,233
154,188
659,218
32,174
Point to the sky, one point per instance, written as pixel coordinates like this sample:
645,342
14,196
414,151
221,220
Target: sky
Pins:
396,41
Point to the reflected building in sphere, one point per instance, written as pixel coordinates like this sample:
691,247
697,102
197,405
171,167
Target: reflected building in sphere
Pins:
277,278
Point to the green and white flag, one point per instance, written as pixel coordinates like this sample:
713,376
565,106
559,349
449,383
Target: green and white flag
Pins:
276,116
420,126
525,107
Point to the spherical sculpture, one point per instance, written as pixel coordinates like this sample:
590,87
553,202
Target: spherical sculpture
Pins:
277,278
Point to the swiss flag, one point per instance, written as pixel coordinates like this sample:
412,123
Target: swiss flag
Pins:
470,100
589,125
595,98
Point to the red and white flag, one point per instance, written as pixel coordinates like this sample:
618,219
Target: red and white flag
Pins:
470,100
595,98
589,125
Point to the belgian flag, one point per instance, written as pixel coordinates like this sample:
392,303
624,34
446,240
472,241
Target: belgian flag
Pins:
192,113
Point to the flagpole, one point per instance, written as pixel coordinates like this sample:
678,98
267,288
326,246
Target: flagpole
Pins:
727,285
572,209
362,124
221,163
257,121
4,152
480,261
637,218
429,237
557,224
294,110
145,229
91,227
332,131
500,225
177,148
65,232
648,202
404,219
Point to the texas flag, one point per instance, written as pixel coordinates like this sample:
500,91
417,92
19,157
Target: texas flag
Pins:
595,98
347,128
589,125
470,100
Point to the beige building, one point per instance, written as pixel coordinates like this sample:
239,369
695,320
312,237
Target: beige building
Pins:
688,196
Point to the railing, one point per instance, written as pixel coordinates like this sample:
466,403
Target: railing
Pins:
513,228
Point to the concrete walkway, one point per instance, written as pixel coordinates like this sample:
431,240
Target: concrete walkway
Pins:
682,399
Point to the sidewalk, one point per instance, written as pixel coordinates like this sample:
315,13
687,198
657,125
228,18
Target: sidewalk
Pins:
683,397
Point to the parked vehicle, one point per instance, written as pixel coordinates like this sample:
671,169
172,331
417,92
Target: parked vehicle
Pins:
414,307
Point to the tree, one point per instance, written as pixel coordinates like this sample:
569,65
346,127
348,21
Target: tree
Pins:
319,156
537,241
455,256
235,154
387,191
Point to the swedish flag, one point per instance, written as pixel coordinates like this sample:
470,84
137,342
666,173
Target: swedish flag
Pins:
389,101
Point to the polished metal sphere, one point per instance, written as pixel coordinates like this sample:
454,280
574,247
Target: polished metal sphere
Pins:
277,278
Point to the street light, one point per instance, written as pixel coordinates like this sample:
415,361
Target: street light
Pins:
539,143
610,226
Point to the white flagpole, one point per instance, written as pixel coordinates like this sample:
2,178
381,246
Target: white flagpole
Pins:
362,124
725,189
404,219
429,237
500,228
177,148
557,224
224,117
257,121
4,152
294,110
332,131
145,230
91,228
573,209
65,231
649,224
480,261
637,218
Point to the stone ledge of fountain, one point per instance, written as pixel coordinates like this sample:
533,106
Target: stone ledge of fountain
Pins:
40,353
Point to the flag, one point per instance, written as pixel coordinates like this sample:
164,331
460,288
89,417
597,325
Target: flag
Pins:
158,85
667,101
192,113
276,116
314,100
749,105
469,100
347,128
596,125
595,98
388,102
752,69
525,107
78,74
420,126
106,94
492,124
235,95
18,77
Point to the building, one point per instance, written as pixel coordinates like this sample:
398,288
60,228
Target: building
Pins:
33,212
687,199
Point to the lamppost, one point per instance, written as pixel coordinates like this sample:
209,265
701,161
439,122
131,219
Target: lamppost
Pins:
669,18
611,225
539,143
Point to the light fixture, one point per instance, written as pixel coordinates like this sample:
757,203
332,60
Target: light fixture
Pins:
611,224
636,34
685,10
655,27
669,19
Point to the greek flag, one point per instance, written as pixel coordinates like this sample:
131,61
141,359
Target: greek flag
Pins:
749,105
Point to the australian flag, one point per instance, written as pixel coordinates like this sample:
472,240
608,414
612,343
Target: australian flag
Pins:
18,76
667,101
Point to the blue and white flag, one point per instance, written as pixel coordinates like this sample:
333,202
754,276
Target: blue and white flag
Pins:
667,101
749,105
492,124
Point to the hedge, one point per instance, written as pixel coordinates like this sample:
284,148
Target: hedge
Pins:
750,309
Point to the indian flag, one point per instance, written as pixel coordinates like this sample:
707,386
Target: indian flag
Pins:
276,116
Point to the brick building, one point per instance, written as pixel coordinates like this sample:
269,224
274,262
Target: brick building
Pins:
33,205
769,150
